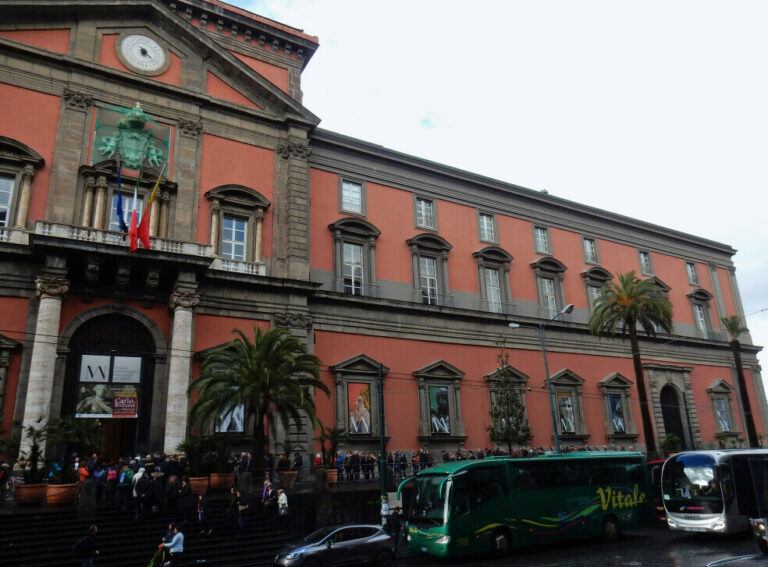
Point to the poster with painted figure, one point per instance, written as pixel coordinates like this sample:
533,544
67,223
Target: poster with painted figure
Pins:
439,412
232,421
359,407
107,401
567,421
617,413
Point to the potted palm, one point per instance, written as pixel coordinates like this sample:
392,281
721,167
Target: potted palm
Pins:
222,475
270,375
69,435
32,466
194,449
329,439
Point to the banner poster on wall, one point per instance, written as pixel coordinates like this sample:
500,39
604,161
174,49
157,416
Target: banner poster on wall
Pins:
359,407
108,387
232,421
439,414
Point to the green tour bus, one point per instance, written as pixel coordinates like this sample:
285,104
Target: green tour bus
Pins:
495,504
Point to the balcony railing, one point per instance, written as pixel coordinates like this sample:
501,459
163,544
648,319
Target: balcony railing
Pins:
240,267
14,235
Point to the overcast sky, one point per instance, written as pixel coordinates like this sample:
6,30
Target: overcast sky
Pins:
656,110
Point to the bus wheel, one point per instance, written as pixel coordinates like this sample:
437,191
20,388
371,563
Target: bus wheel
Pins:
501,543
610,531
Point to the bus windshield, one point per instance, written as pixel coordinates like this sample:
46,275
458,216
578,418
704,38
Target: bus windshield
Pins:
689,485
428,503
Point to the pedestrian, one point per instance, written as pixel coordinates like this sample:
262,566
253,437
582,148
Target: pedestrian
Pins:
85,548
202,514
125,486
282,509
141,487
175,547
110,487
185,502
235,510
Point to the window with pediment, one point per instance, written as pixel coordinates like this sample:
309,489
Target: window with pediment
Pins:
619,424
440,401
18,165
357,391
237,220
549,273
721,395
354,256
507,376
567,398
595,280
493,265
429,259
700,301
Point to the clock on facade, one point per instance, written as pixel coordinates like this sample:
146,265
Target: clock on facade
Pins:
142,54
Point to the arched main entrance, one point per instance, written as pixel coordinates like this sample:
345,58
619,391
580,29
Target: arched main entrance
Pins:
672,414
110,376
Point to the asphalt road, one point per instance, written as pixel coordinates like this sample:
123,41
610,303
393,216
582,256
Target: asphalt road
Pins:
657,547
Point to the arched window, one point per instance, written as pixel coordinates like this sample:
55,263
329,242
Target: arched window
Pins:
354,256
18,165
595,279
493,271
237,219
549,282
429,259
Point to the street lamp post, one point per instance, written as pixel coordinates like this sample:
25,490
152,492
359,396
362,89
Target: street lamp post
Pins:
543,345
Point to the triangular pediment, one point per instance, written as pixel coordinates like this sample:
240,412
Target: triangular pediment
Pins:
598,274
660,284
515,374
615,380
720,386
549,264
8,344
360,364
566,377
183,41
700,294
440,370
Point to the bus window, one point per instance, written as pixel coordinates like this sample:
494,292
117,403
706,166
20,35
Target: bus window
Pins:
428,503
461,496
568,474
487,483
689,485
606,474
529,476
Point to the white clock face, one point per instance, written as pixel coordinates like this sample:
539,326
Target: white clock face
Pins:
142,53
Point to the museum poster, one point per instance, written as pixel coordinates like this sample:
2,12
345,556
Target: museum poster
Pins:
359,407
439,414
232,421
108,387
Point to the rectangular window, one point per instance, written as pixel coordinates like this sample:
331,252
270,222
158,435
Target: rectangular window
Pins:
493,290
722,414
594,295
645,263
114,225
351,196
487,228
428,280
425,213
690,268
352,270
542,240
701,319
590,251
548,295
6,192
233,234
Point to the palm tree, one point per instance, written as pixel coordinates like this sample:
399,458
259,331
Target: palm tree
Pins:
270,376
735,329
625,304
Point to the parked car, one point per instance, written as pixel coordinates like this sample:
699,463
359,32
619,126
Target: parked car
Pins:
340,545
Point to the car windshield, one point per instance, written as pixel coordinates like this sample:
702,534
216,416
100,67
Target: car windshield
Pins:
428,504
316,536
689,485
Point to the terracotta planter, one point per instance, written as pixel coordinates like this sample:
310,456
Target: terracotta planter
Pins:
333,476
199,485
222,481
288,479
30,494
60,494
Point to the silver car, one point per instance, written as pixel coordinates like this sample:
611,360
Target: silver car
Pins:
341,545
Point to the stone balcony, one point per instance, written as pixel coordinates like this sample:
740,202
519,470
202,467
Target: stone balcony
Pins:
173,248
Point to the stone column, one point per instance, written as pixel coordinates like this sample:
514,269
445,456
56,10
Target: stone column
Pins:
215,230
27,175
90,186
258,230
101,202
165,208
50,291
182,303
154,219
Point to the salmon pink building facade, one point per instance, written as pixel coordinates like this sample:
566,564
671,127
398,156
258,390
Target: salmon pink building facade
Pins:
394,270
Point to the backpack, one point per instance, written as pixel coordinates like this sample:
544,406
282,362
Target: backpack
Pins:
112,474
126,477
143,485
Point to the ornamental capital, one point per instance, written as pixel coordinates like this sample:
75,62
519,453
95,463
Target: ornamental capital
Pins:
293,149
184,300
76,100
28,173
51,287
190,128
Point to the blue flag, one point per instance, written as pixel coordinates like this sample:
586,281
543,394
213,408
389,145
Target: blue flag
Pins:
120,211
